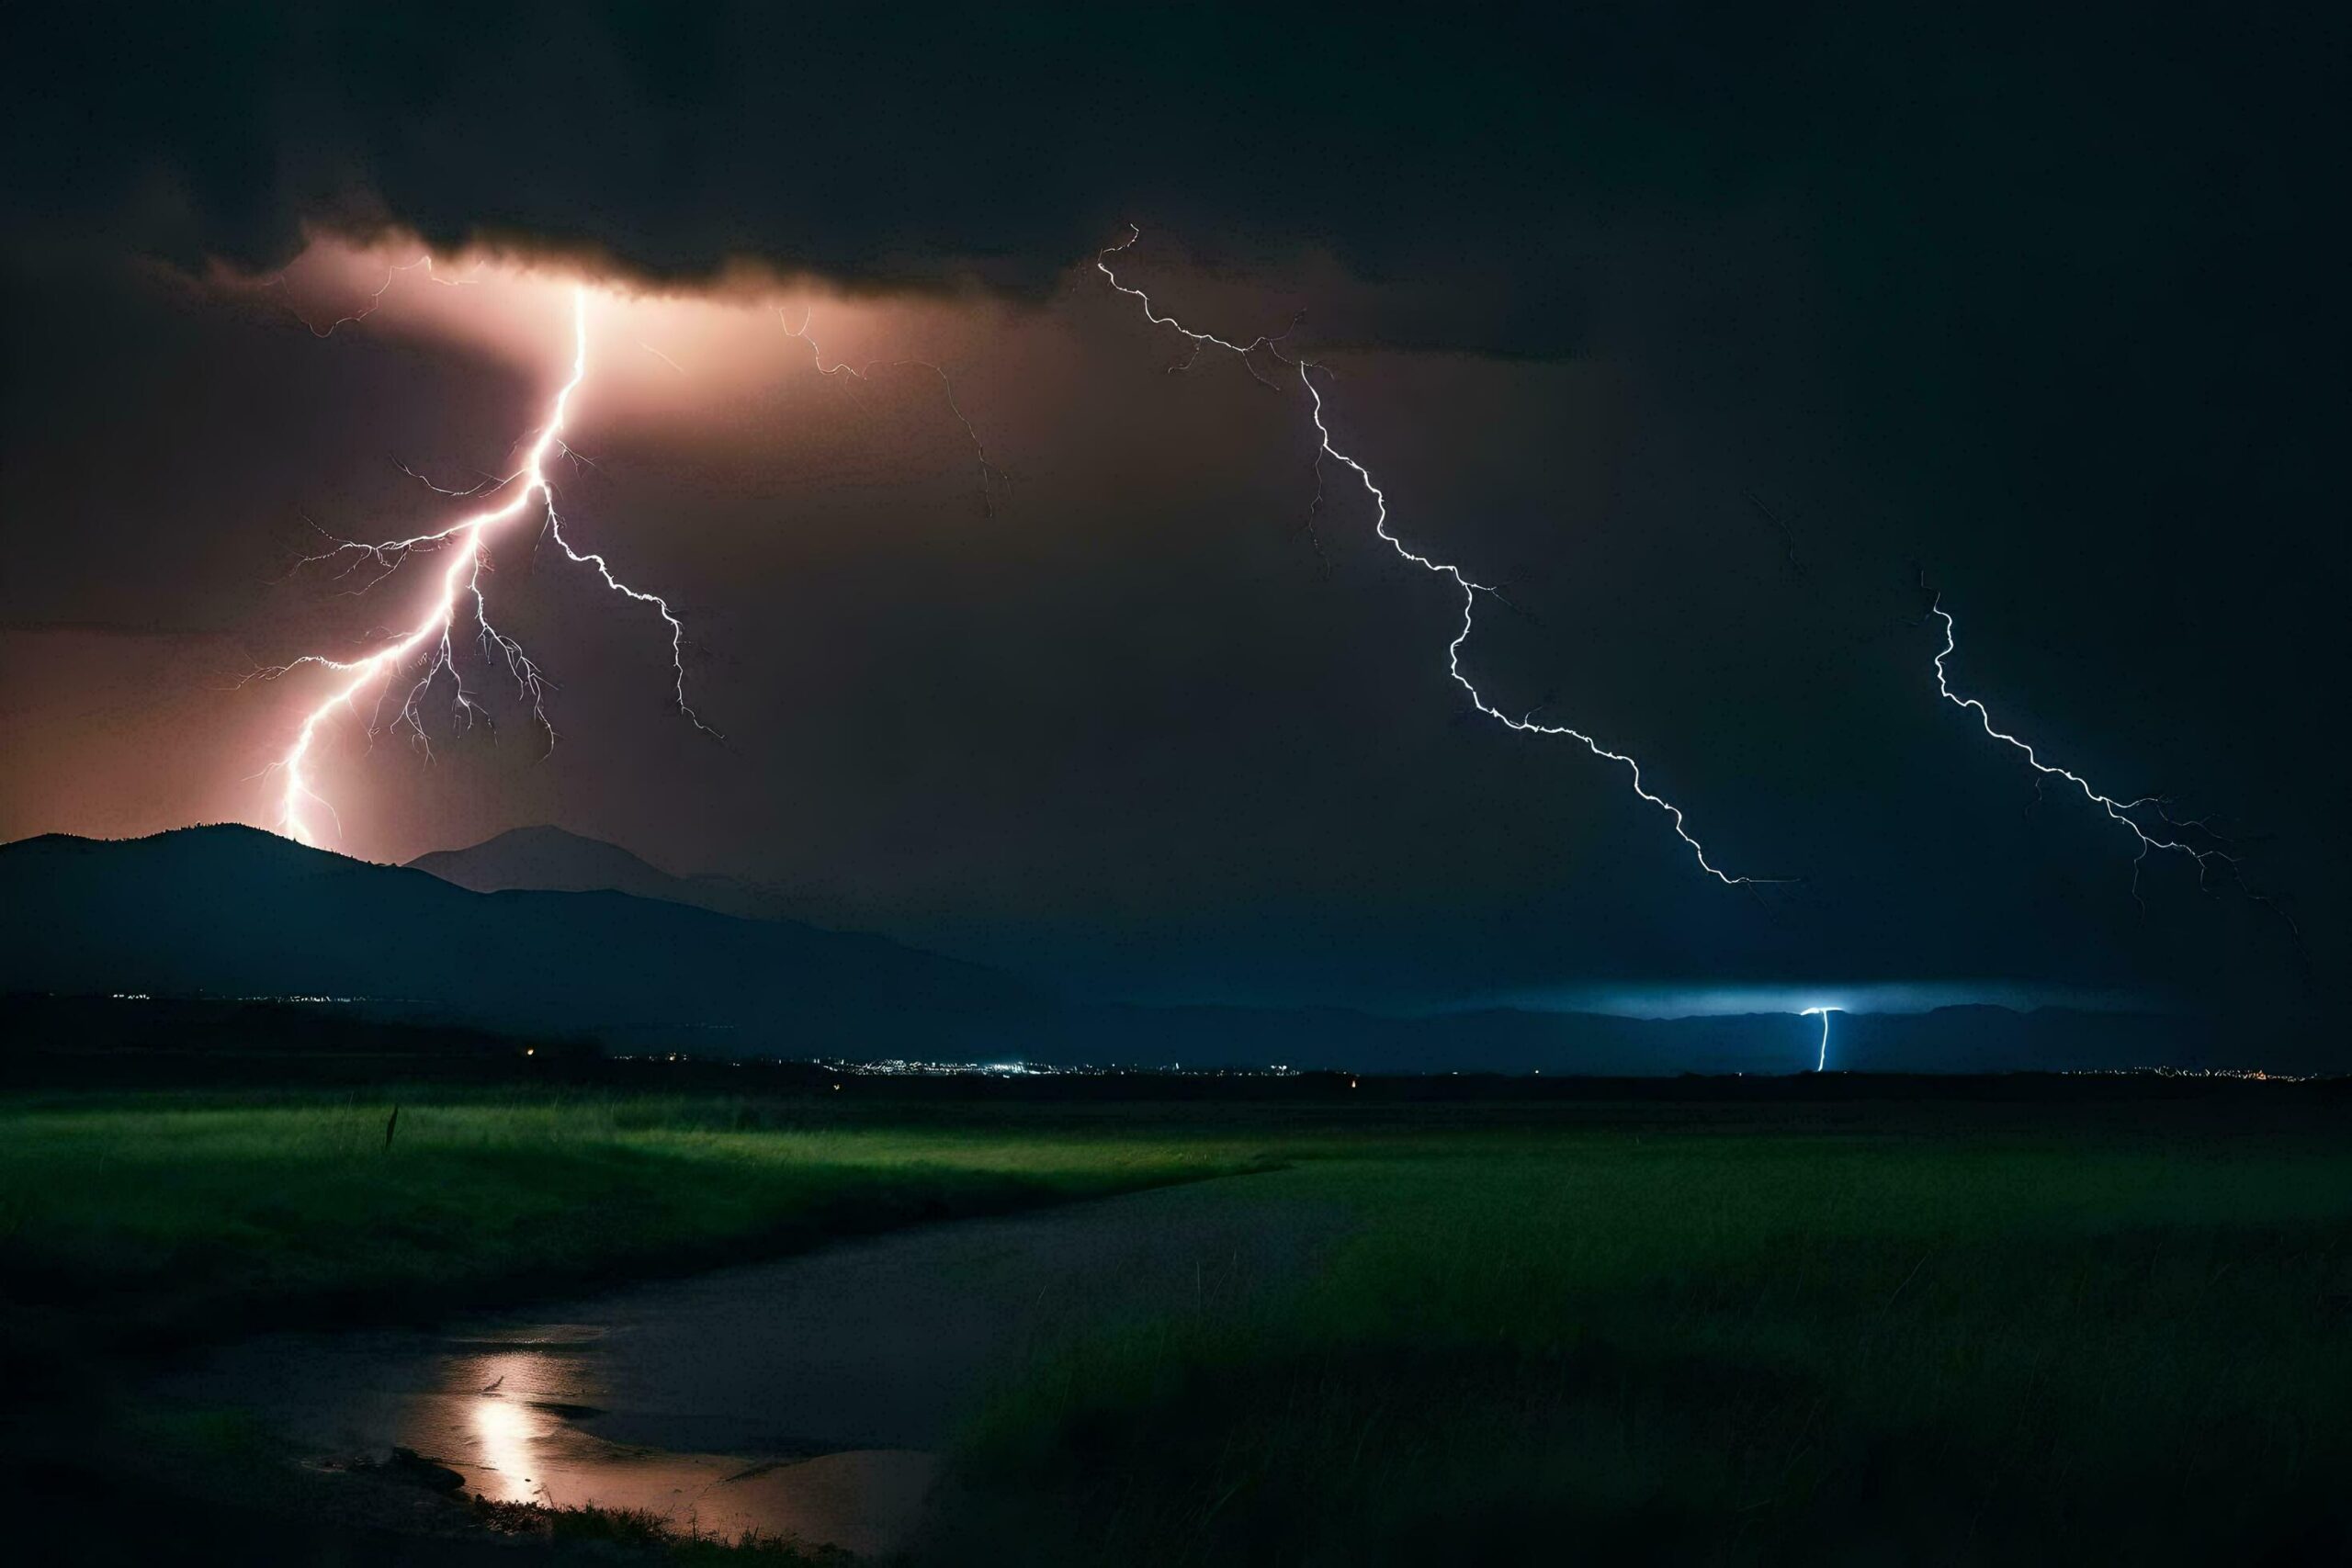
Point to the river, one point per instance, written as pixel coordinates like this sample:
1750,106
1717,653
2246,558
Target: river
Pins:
810,1397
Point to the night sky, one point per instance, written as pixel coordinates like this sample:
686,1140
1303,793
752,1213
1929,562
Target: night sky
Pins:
1703,342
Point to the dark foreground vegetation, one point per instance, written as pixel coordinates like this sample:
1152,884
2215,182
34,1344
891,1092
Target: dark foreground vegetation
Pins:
2103,1323
1969,1343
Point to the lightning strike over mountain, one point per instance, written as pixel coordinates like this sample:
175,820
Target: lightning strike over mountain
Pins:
429,648
1470,588
2117,810
994,481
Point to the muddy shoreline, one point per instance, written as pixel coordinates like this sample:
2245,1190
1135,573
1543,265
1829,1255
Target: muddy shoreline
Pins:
808,1397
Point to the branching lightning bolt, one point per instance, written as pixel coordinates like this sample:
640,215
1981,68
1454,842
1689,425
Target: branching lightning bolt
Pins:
2157,839
1470,588
375,296
428,649
994,481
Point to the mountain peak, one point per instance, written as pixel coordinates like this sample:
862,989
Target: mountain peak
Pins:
548,859
556,860
541,834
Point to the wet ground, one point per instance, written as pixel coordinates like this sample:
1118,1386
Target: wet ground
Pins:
807,1397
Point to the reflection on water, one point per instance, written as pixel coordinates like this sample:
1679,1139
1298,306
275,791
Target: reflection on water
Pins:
522,1452
803,1397
507,1410
505,1433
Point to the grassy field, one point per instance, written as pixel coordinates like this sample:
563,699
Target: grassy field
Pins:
1767,1333
146,1220
1979,1344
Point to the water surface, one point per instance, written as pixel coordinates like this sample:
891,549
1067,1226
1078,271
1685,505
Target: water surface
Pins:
807,1396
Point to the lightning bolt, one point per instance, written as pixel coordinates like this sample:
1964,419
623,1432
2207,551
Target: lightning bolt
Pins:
2151,840
994,481
1470,588
429,648
1822,1064
375,296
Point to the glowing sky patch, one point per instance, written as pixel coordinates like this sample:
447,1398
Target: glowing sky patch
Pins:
1698,999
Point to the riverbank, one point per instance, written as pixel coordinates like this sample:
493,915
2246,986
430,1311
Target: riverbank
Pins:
2103,1327
806,1397
136,1223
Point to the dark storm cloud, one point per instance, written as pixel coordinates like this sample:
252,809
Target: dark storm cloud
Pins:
1467,161
880,146
2047,308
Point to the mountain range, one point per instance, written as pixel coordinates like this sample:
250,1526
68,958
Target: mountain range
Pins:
232,912
544,932
550,859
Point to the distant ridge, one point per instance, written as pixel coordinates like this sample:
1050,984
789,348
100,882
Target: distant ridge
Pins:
232,912
554,859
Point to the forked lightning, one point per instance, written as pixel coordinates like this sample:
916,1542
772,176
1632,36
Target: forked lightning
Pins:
428,650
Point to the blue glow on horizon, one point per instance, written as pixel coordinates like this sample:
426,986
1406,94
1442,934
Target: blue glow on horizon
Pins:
1668,1000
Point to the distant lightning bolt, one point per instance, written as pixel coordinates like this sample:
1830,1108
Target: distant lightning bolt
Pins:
2120,811
1470,588
1822,1065
993,479
428,649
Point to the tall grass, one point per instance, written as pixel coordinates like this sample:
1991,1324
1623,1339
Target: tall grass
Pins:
1774,1334
130,1219
1732,1347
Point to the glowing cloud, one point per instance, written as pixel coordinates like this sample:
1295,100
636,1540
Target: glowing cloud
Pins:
994,481
404,675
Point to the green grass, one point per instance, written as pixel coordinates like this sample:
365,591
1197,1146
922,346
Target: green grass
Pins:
1849,1334
135,1219
1731,1346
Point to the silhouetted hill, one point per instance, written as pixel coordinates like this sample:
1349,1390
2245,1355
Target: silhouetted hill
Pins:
232,912
552,859
547,859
